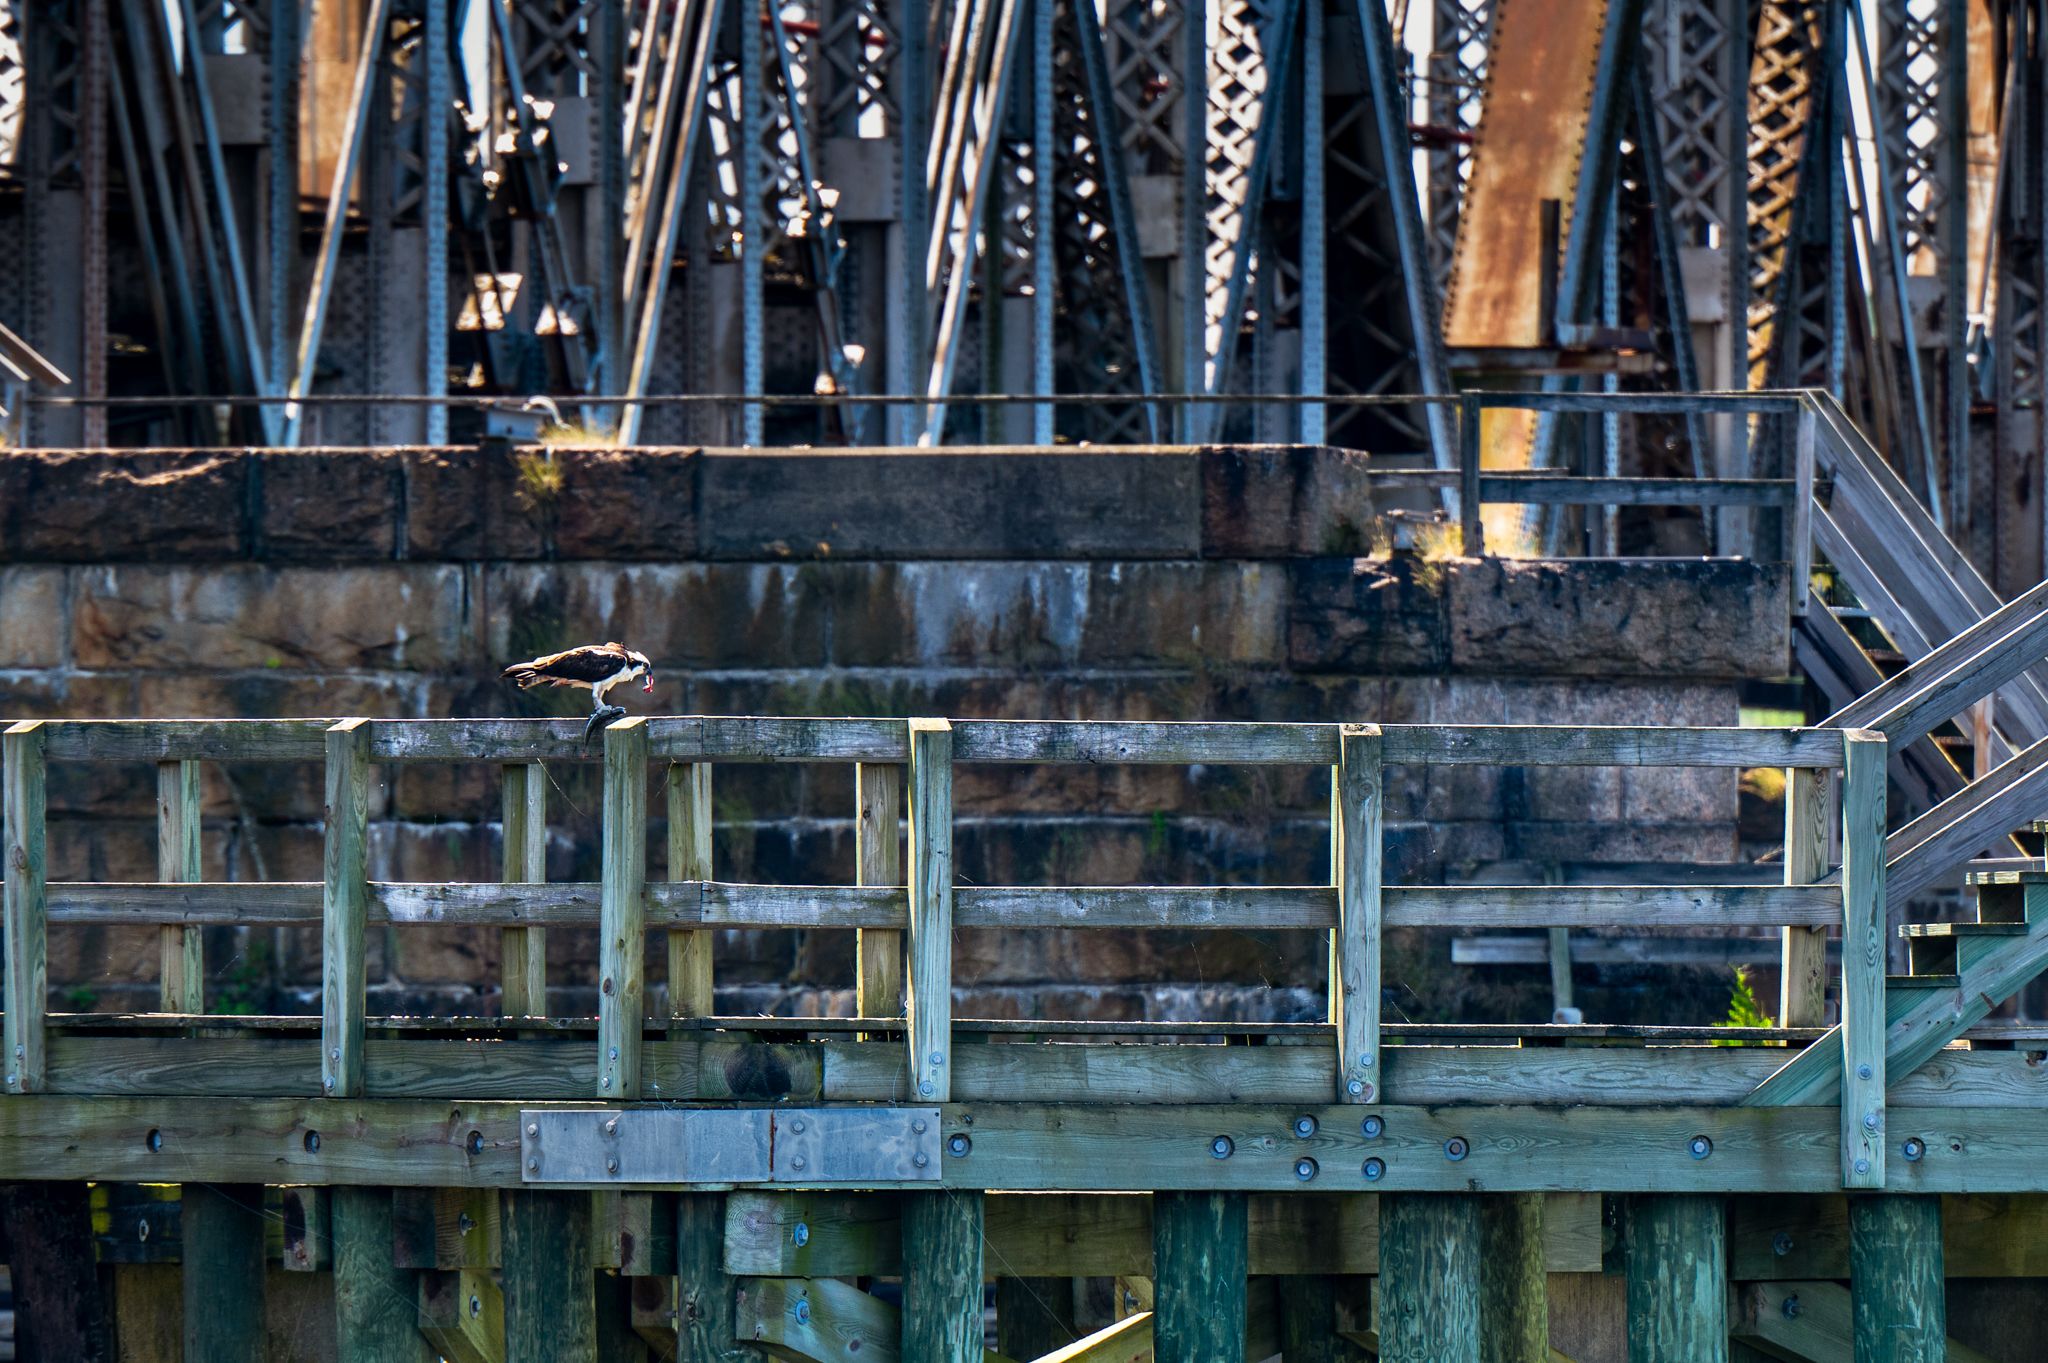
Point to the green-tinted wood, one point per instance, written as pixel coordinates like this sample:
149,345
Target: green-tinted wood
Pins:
60,1307
1677,1264
549,1278
1895,1279
181,986
929,998
222,1226
1308,1320
617,1340
1429,1284
1803,974
1514,1299
1355,944
24,925
149,1314
818,1320
371,1322
690,989
1200,1259
523,952
344,906
461,1315
704,1298
1863,960
621,981
942,1274
308,1215
1034,1316
878,860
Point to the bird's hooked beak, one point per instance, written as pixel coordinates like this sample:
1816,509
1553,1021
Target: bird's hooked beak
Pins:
648,683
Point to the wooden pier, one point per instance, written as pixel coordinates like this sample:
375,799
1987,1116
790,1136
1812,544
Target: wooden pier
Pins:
525,1187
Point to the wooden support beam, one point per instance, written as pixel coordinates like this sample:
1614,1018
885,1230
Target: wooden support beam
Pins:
461,1313
181,984
618,1341
705,1318
1355,944
646,1231
1677,1263
690,986
370,1322
1127,1341
1863,959
549,1278
1034,1316
60,1310
929,1000
24,920
942,1240
878,860
1514,1297
344,904
523,952
1983,1236
821,1320
308,1213
1895,1279
1803,974
1308,1320
222,1225
1429,1284
622,927
1808,1319
149,1314
1200,1259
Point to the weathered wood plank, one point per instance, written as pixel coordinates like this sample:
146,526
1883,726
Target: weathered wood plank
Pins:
1677,1263
523,951
344,906
1863,961
24,923
549,1278
1308,1320
192,740
1127,1341
705,1318
878,862
59,1306
1811,1320
370,1291
181,981
1895,1279
461,1313
1982,1236
308,1216
1200,1257
1355,941
621,986
1552,489
1803,973
817,1320
149,1315
1429,1285
942,1241
1514,1299
222,1227
928,999
689,858
1034,1315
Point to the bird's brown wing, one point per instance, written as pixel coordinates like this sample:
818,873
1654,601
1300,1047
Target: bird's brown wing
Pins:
589,665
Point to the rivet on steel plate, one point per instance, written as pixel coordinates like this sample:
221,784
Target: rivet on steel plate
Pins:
611,1127
797,1125
533,1128
1700,1146
1913,1148
1304,1126
1375,1169
796,1162
801,1235
1456,1148
920,1159
917,1125
533,1166
611,1166
1222,1147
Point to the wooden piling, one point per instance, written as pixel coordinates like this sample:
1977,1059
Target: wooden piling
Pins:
1896,1279
1355,943
622,912
1034,1316
1677,1264
523,952
704,1290
1514,1298
181,984
222,1226
371,1324
1200,1256
942,1233
1429,1284
1308,1320
60,1308
549,1278
690,986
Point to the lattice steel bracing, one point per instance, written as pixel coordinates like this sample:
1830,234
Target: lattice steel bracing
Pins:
13,85
2019,350
1456,74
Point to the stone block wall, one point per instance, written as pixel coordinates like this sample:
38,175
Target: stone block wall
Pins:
1132,584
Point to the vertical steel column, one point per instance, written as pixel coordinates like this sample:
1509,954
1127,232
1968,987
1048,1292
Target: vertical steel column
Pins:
749,149
94,55
909,319
1044,166
1194,212
280,186
2020,339
436,113
1315,241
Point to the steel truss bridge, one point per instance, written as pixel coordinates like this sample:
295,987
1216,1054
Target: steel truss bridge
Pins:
944,198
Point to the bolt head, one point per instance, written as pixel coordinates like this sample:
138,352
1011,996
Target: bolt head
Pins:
328,1083
1913,1148
920,1159
476,1307
605,1082
1862,1166
1456,1148
797,1125
533,1166
1700,1146
938,1058
1791,1307
13,1077
958,1144
801,1235
1870,1121
917,1125
925,1088
1863,1071
1781,1244
1304,1126
611,1127
615,1052
334,1054
533,1128
1304,1168
1373,1127
803,1311
1355,1087
611,1166
1375,1169
1222,1147
796,1162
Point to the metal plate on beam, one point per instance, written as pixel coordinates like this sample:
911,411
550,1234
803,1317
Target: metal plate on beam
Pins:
855,1145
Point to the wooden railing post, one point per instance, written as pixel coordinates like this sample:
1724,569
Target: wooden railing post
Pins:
181,984
1355,944
344,909
929,1001
690,987
1472,529
523,952
1799,525
622,911
25,921
1863,959
878,860
1803,976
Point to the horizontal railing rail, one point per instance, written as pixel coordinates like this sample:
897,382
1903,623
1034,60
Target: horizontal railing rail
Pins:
905,911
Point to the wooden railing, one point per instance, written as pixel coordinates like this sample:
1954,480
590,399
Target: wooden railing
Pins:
906,920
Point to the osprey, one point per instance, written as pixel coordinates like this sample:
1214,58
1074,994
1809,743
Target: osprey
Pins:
597,666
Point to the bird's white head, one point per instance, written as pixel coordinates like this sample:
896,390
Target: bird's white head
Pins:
642,669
